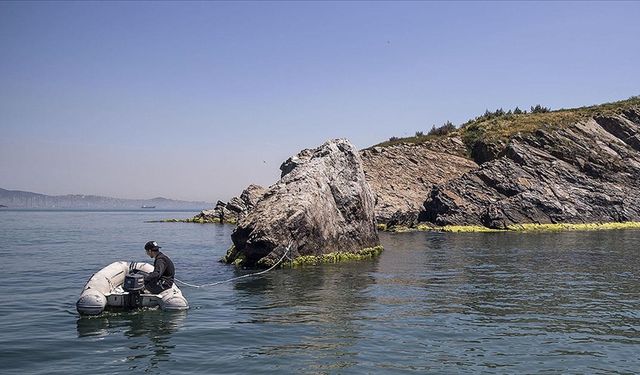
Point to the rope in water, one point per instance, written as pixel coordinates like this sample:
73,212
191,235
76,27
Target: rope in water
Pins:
239,277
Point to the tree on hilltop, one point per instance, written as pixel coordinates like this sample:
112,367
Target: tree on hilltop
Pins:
539,109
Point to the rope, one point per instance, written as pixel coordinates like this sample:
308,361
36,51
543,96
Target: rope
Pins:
239,277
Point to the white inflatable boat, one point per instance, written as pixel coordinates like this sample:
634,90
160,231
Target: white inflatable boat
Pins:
106,288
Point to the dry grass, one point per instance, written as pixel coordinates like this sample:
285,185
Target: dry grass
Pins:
505,126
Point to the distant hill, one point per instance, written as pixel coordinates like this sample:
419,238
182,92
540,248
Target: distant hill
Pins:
25,199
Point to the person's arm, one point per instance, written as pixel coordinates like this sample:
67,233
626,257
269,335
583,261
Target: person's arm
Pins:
158,270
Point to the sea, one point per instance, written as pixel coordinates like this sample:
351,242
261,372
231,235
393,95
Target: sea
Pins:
441,303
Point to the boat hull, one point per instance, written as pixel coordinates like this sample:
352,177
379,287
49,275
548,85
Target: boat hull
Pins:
104,290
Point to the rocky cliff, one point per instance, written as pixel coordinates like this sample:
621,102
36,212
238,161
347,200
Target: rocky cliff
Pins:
402,175
587,170
321,205
568,166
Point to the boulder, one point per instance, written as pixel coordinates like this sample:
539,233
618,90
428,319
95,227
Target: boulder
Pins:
234,210
321,205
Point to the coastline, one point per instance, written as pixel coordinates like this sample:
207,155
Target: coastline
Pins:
527,227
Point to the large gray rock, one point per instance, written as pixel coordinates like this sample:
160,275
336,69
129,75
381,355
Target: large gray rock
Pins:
321,205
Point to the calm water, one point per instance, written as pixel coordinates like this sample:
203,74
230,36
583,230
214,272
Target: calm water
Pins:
439,303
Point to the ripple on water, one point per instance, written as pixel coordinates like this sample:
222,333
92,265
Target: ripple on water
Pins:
432,302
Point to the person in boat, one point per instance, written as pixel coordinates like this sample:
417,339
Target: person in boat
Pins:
163,273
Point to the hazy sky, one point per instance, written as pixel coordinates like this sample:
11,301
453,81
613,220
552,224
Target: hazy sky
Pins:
197,100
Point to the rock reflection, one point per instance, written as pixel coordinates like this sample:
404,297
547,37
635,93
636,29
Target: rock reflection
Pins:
327,300
528,283
156,325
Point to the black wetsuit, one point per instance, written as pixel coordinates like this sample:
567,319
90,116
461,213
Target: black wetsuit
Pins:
162,276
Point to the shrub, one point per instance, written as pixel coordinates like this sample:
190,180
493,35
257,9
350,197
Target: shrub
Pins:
539,109
446,128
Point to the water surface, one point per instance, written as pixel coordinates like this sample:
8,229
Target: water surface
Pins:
431,303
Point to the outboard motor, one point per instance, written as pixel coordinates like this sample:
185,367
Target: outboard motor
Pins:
133,284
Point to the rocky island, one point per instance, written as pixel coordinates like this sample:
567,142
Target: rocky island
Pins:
500,171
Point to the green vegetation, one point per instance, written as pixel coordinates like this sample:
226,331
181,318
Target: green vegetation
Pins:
231,254
497,128
411,140
445,129
539,109
530,227
420,137
239,260
426,227
574,227
466,229
501,125
337,257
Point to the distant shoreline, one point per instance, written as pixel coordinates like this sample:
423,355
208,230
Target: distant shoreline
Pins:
14,209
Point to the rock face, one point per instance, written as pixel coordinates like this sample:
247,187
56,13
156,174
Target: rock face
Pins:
322,204
234,210
402,176
585,172
568,166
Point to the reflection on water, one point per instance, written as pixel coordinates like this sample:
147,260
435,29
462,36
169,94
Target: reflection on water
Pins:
322,304
155,324
515,298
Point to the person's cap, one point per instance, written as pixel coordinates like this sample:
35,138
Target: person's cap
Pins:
151,245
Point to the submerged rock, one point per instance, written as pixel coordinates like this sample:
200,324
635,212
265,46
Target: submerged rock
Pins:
321,205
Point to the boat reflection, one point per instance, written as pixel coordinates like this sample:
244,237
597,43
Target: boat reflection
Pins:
152,322
156,325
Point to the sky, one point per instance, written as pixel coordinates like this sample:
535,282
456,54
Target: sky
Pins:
197,100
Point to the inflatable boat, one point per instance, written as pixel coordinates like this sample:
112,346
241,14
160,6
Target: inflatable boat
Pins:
121,285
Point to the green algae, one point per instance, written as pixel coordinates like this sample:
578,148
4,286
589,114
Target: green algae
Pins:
531,227
574,227
265,263
400,229
447,228
231,254
240,260
335,257
466,229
